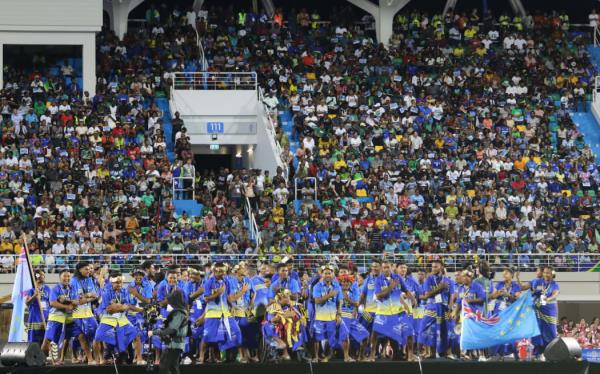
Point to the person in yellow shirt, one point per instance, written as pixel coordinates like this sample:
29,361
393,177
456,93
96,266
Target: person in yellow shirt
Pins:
458,51
17,246
102,172
381,222
439,143
470,33
324,145
6,246
278,214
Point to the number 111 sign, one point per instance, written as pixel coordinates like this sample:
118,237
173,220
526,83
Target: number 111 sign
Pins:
215,127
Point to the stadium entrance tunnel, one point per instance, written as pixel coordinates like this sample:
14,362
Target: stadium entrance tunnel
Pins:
213,162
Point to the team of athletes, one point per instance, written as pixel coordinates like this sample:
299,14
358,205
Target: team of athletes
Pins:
237,312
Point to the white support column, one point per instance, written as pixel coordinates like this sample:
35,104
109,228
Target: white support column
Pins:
269,7
383,14
519,8
198,5
89,63
450,4
118,12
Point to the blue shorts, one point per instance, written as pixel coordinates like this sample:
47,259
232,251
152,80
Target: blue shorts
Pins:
223,331
396,326
119,337
156,341
198,332
85,326
330,331
356,330
54,331
138,324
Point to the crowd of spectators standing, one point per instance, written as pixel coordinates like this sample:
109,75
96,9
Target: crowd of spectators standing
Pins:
457,138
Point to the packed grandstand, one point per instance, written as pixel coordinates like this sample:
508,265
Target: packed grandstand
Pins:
455,140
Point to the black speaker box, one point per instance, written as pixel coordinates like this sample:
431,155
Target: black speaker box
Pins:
562,349
22,354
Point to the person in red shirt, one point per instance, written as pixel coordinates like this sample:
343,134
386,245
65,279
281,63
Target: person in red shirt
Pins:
518,183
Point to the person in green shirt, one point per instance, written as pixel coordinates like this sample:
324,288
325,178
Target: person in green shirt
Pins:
39,107
148,198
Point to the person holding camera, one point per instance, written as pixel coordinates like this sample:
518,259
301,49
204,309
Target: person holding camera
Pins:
173,333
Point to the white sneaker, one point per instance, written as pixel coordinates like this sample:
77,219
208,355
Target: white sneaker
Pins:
187,361
482,359
542,358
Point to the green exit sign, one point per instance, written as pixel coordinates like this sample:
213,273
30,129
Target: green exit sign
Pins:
214,147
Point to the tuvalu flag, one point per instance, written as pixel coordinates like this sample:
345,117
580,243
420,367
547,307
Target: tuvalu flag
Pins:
23,283
518,321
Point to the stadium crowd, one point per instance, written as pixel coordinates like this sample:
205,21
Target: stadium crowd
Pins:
587,334
451,141
456,139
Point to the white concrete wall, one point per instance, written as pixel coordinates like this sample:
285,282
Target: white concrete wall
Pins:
266,155
223,139
596,109
233,108
243,117
51,15
215,103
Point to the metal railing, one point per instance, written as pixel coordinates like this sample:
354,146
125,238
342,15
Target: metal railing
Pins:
596,95
272,135
567,262
183,190
312,179
214,81
596,35
253,227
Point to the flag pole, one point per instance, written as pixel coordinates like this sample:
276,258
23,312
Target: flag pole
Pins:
33,281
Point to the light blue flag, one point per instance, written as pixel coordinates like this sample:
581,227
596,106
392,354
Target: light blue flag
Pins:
516,322
22,284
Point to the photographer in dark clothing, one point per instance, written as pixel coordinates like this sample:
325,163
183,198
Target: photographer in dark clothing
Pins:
173,334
